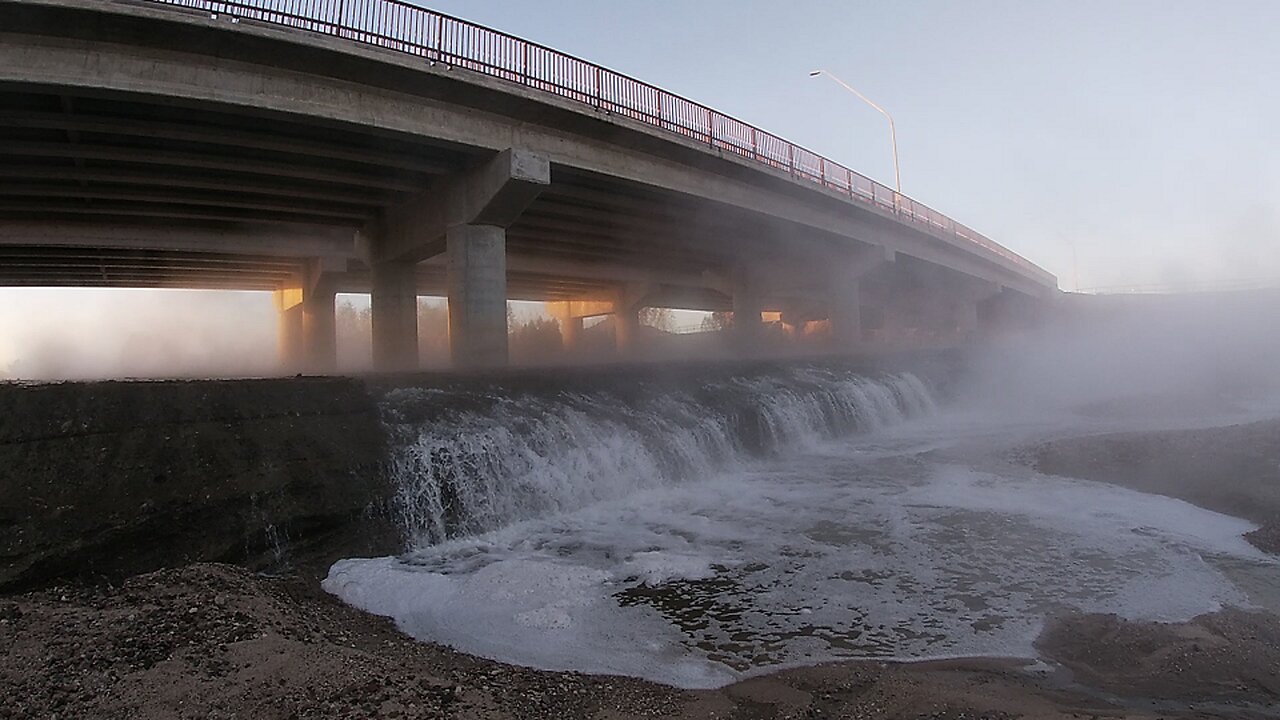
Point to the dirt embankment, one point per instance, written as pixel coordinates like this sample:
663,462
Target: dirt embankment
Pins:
104,480
1233,470
215,641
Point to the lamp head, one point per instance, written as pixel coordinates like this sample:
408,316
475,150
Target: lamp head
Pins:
815,73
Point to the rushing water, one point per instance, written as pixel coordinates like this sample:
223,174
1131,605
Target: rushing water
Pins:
695,536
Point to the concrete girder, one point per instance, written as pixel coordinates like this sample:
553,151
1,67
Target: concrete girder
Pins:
587,245
101,276
176,178
265,240
612,272
149,283
151,156
127,212
652,220
220,136
330,210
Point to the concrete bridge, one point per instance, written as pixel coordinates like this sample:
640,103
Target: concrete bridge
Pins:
310,148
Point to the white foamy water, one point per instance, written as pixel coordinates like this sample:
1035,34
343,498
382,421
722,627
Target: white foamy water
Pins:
842,540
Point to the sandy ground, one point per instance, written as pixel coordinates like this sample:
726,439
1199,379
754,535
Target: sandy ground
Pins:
216,641
1233,470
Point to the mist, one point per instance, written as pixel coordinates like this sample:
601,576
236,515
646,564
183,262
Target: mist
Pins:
1089,350
86,334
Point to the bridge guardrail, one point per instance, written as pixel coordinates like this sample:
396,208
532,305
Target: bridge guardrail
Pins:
437,37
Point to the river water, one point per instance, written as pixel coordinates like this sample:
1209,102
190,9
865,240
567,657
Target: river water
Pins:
694,536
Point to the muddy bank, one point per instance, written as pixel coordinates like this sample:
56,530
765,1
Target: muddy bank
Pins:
214,641
104,480
1233,470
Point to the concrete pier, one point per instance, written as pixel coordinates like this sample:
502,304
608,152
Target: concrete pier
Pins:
305,327
393,301
289,329
846,314
319,332
746,310
477,282
570,315
570,332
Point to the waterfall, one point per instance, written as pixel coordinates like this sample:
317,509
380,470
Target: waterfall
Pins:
469,461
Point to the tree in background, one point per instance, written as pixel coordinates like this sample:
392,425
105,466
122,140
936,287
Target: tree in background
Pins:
433,332
531,341
717,321
659,318
535,340
353,328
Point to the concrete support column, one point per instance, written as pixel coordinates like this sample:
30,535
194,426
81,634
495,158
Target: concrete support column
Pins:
289,330
967,320
746,311
394,302
570,314
626,329
846,314
319,331
844,289
626,305
477,282
306,322
570,332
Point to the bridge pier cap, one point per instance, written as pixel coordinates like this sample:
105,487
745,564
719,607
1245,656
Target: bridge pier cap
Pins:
465,216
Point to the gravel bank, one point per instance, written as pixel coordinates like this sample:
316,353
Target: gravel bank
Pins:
216,641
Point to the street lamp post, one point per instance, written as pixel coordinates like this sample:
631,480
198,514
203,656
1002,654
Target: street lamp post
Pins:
893,133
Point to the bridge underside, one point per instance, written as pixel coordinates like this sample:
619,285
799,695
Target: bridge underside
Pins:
163,186
120,191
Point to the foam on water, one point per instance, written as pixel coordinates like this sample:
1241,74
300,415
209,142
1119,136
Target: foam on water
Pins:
854,548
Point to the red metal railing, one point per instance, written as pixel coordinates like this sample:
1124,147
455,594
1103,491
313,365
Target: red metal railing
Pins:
441,38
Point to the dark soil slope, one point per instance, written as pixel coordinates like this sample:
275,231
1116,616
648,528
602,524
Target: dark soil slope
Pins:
104,480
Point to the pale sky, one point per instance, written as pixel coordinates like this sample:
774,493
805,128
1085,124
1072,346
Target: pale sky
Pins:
1143,133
